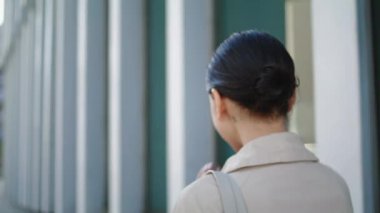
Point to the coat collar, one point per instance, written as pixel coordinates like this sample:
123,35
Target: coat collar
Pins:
284,147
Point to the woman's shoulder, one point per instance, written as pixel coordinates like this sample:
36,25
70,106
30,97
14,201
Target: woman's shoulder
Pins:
335,177
200,195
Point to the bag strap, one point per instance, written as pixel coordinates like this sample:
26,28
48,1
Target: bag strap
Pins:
230,193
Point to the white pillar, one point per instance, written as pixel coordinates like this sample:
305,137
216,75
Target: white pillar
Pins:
127,106
12,126
47,146
337,91
26,112
11,87
91,137
66,107
189,130
36,54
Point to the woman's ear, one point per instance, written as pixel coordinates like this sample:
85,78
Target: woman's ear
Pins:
219,104
292,101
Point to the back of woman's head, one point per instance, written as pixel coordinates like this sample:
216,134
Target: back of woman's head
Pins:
254,69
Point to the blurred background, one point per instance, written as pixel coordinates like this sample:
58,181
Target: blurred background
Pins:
104,107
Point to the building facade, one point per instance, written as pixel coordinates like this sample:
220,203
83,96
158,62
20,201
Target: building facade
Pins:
105,107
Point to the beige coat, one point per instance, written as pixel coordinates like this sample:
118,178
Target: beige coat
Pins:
275,174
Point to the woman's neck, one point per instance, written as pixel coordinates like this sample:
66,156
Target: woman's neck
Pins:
251,129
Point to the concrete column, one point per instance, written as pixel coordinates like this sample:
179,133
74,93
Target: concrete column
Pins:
337,91
66,106
189,130
91,103
127,105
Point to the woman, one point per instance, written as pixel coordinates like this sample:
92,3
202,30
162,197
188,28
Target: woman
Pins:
252,86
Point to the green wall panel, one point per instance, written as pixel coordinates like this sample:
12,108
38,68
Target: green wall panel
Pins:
239,15
376,56
376,52
367,14
156,194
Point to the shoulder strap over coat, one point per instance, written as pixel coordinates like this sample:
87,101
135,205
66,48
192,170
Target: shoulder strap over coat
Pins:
230,193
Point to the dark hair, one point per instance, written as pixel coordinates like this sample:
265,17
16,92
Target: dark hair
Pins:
254,69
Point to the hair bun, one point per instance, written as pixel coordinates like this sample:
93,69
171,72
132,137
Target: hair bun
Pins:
271,83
